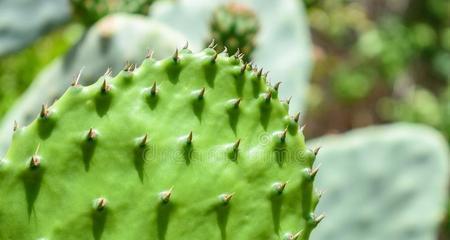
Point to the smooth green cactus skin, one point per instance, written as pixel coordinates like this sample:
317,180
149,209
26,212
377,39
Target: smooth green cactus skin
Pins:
384,182
234,26
89,12
195,146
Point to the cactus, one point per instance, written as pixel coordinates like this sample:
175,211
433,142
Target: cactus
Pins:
16,29
283,43
194,146
234,26
109,43
385,182
89,12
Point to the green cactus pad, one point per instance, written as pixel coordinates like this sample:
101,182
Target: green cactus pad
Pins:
195,146
106,44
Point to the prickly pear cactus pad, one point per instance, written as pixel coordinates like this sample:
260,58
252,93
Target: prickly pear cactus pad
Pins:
235,26
194,146
106,44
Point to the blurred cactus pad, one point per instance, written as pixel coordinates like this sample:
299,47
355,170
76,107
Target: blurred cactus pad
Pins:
385,182
90,11
24,21
234,26
194,146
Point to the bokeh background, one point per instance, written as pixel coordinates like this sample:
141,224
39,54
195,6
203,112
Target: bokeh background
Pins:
379,66
379,61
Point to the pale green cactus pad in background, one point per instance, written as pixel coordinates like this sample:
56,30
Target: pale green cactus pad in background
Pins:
282,43
23,21
386,182
110,43
194,146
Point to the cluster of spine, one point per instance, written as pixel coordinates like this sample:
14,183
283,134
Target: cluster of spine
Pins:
234,27
239,169
90,11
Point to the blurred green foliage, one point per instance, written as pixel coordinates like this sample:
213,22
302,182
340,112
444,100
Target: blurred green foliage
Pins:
18,70
90,11
380,61
421,106
392,56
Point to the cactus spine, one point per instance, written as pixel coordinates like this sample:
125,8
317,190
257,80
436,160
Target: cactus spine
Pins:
194,146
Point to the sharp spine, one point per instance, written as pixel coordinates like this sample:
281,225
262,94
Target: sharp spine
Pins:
214,57
105,87
92,134
283,135
319,219
153,89
201,93
127,66
186,45
165,195
279,187
44,111
189,138
277,86
144,141
259,73
320,194
35,159
243,68
316,150
237,102
268,97
100,204
35,162
288,101
291,236
313,172
237,53
226,197
131,67
236,145
16,126
77,77
297,117
149,54
302,128
175,56
212,44
225,50
108,72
